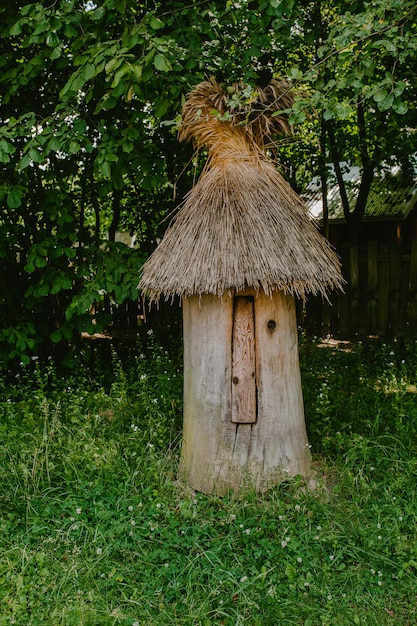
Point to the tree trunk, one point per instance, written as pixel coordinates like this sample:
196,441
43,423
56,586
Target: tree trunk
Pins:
264,441
334,152
116,206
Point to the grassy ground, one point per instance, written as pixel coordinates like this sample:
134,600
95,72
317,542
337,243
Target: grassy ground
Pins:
95,529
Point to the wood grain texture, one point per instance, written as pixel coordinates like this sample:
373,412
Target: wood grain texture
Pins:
218,455
243,362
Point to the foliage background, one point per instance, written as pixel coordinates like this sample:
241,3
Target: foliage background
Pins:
90,94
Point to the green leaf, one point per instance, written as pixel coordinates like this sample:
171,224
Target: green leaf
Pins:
56,336
14,199
161,63
107,102
80,126
6,147
380,95
70,31
113,64
134,293
35,156
70,253
322,51
24,162
137,71
295,73
98,13
283,112
16,29
88,71
400,107
74,147
41,290
21,345
127,146
147,59
75,83
119,75
56,52
60,282
156,23
52,40
343,110
147,73
161,109
40,261
386,103
54,144
105,167
111,157
90,328
56,288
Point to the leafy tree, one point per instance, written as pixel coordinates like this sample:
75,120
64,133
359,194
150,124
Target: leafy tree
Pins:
80,149
357,63
89,96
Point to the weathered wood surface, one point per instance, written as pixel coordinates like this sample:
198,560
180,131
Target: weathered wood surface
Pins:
412,300
243,362
218,454
372,285
380,297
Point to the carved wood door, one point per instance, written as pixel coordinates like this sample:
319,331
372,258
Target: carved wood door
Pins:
243,361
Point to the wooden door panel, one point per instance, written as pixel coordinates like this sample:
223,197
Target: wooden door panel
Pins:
243,362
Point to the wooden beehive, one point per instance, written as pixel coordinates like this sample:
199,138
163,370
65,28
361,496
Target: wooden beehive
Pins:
240,249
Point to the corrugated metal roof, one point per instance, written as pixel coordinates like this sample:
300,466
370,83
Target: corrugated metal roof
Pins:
392,195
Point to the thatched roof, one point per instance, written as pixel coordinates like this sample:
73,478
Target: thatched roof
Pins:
241,225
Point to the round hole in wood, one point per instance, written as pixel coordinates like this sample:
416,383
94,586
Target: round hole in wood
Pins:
271,324
235,380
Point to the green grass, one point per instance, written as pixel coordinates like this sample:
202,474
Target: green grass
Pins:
96,530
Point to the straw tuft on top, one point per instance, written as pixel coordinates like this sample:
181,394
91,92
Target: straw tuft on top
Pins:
241,225
252,114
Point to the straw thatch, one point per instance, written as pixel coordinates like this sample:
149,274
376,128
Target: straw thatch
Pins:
241,225
251,115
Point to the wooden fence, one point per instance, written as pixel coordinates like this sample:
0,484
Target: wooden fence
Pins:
380,297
